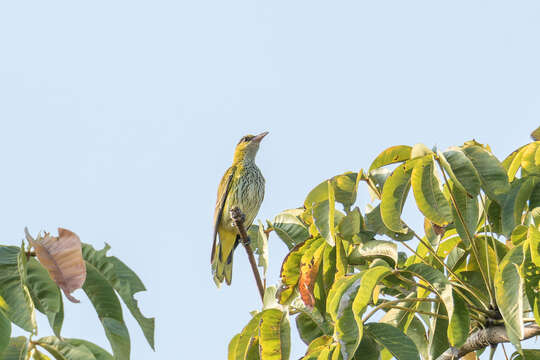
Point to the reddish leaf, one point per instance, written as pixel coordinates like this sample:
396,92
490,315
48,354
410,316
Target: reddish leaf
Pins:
62,257
309,268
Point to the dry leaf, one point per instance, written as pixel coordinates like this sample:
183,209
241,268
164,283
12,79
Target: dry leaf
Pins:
62,257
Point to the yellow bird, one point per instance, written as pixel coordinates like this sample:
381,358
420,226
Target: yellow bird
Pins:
242,186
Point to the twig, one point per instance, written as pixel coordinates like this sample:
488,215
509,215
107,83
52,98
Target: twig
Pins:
486,337
239,218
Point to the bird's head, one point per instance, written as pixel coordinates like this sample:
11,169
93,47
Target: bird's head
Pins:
247,147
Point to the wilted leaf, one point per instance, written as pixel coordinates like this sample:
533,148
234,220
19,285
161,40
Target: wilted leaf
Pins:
62,257
309,268
290,270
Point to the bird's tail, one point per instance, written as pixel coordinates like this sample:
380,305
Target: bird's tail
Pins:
222,266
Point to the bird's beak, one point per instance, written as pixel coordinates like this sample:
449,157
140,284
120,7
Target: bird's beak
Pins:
259,137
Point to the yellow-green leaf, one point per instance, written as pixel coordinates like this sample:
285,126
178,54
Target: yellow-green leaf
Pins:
395,191
391,155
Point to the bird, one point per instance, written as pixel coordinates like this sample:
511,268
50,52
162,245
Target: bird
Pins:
242,186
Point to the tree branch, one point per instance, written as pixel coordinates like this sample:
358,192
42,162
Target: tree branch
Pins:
239,218
486,337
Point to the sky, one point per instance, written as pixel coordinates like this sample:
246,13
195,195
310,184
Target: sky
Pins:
118,119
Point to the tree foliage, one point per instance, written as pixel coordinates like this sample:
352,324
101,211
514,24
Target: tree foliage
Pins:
365,285
31,282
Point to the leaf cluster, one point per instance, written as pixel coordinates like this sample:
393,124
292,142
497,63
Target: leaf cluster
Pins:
29,285
365,285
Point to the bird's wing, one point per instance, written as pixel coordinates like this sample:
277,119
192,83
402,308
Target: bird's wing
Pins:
223,190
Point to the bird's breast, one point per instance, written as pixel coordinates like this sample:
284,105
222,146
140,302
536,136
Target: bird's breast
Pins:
247,193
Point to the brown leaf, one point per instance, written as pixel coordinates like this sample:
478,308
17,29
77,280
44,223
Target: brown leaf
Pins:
62,257
309,268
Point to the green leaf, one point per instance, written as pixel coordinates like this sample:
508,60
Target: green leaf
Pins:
259,244
427,192
509,294
367,350
290,229
395,191
393,339
240,344
17,349
37,355
108,308
339,306
391,155
325,217
63,350
514,164
458,328
45,294
492,174
519,234
19,306
98,352
514,203
461,170
374,223
233,345
372,250
124,281
438,338
351,224
274,335
528,158
528,354
317,346
346,303
5,331
344,186
465,214
533,237
308,329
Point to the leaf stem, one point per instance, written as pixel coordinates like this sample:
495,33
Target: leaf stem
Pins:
393,302
462,220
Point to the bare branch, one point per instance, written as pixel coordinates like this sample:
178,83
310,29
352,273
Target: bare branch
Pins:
486,337
239,218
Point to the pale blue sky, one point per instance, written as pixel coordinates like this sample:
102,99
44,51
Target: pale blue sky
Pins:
118,119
